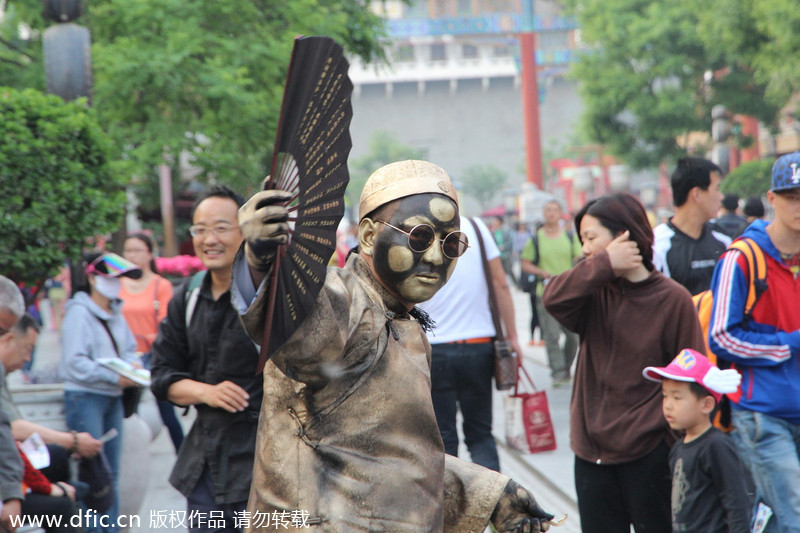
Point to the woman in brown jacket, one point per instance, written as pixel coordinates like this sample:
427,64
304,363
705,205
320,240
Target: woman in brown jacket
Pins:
628,316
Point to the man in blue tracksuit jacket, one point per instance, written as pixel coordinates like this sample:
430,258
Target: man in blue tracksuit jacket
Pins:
765,348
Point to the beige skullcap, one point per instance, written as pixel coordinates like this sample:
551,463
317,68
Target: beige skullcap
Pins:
401,179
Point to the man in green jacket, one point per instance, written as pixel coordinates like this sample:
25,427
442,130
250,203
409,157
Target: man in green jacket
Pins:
549,252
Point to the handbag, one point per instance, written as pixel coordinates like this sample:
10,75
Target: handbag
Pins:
96,473
130,395
529,427
505,365
505,360
528,282
130,400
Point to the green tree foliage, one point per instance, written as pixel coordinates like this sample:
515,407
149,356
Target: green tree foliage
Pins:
204,78
753,178
483,182
56,187
762,36
384,148
655,68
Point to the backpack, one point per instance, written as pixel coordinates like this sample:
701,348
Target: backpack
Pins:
192,293
528,282
704,304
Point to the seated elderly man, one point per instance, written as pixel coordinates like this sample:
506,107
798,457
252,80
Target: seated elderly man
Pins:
52,492
15,351
12,307
347,434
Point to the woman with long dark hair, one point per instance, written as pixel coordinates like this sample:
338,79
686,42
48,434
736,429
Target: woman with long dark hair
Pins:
628,316
144,307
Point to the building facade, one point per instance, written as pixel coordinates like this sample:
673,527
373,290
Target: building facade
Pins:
453,88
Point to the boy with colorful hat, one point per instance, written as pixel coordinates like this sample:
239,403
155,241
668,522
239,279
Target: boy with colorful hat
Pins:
708,480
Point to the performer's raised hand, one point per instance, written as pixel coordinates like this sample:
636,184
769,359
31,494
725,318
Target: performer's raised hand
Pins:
518,512
264,226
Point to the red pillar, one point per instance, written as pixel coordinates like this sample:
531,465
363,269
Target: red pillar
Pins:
530,109
749,127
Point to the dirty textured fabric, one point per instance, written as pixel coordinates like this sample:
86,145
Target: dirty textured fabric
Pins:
347,435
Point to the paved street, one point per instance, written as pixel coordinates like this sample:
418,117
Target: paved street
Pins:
548,474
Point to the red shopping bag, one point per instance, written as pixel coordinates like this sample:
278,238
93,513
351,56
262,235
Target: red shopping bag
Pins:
534,411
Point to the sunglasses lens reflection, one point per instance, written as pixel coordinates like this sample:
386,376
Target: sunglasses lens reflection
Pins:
455,244
421,237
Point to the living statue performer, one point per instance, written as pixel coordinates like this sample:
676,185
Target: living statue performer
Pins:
347,436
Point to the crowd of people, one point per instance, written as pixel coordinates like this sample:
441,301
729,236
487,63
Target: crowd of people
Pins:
353,419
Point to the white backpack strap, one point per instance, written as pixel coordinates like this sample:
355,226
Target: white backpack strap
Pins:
193,292
190,305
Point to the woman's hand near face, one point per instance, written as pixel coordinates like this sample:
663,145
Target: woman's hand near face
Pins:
624,254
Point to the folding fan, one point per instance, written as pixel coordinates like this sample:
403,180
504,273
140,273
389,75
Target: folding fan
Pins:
310,161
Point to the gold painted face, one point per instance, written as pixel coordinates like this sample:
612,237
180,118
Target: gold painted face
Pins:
415,277
443,209
401,258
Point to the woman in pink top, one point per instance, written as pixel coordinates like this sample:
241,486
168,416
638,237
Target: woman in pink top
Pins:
144,307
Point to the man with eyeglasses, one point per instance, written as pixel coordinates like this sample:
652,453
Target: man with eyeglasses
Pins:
765,348
203,357
12,307
347,437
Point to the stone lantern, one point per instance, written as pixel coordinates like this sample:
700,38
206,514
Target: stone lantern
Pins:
67,51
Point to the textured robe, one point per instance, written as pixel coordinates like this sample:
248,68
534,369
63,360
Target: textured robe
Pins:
347,434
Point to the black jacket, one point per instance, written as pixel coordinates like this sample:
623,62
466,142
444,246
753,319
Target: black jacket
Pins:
214,349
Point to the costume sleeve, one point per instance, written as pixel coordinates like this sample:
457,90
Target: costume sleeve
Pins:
762,346
10,462
77,336
566,295
471,493
171,348
322,343
728,475
250,302
340,330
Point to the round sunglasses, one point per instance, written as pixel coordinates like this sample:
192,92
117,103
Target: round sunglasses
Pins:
422,236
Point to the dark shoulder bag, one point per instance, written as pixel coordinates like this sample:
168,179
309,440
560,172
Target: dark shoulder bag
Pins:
96,473
505,361
130,395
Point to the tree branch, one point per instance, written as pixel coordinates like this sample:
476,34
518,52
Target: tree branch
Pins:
16,49
17,63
